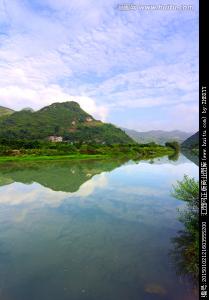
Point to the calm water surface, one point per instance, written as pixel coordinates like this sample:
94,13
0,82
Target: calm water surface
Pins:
99,230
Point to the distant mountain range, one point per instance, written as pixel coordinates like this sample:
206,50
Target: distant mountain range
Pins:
68,122
158,136
59,121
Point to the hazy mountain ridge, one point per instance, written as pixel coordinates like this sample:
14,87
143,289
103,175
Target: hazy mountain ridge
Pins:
157,136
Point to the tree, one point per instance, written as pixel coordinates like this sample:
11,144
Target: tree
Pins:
174,145
187,190
186,244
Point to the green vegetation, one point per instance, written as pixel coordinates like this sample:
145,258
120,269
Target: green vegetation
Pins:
66,120
195,151
188,190
33,150
174,156
28,157
192,143
64,130
4,111
66,176
174,145
186,250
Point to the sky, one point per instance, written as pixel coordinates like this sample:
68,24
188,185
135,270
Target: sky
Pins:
134,68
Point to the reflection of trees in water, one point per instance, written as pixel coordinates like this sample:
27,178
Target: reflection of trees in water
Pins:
185,252
174,156
66,176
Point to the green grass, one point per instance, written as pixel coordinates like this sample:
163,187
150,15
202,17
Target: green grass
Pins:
145,153
52,157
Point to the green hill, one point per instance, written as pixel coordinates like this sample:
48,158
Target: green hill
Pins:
66,120
157,136
192,142
4,111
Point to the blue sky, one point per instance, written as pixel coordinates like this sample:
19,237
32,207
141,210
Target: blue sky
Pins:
136,69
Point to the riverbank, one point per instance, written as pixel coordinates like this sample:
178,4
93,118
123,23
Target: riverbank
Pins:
135,154
48,158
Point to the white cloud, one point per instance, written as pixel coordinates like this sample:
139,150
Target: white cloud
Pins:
103,58
19,194
163,85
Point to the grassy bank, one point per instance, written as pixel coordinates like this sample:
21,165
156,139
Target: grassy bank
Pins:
135,152
28,157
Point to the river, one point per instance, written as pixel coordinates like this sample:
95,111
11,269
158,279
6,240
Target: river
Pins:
91,230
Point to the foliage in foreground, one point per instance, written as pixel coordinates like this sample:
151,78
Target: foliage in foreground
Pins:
187,190
186,244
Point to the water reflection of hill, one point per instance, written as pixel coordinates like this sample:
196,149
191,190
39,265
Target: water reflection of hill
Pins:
189,155
58,176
